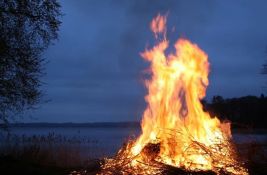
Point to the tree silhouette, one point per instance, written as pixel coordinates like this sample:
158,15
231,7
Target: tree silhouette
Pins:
27,28
247,111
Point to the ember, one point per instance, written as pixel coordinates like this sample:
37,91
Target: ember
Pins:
178,137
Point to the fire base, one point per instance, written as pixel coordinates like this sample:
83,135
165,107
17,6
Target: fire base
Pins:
148,163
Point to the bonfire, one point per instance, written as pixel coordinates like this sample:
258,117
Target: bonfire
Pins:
178,136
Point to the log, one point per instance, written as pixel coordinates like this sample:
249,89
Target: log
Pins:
178,171
151,150
171,170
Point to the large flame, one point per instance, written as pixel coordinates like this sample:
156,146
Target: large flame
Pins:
188,137
178,83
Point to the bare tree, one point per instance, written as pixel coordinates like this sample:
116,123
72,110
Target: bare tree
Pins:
27,28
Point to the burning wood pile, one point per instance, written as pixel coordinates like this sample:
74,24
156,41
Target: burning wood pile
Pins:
178,137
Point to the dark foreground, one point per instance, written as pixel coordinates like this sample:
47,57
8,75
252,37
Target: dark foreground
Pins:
11,166
55,154
30,165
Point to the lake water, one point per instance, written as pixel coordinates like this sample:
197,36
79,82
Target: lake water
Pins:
106,141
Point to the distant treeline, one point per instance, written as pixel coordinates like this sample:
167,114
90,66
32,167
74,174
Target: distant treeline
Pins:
248,111
243,112
69,124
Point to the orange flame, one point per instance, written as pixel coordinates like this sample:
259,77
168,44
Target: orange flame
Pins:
158,25
174,120
178,83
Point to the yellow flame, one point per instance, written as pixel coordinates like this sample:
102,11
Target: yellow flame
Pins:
174,120
174,116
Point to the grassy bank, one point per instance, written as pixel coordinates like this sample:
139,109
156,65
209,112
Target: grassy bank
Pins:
54,154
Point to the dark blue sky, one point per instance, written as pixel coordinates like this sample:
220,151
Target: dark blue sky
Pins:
95,70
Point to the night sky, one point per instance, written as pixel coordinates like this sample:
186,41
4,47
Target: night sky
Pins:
95,72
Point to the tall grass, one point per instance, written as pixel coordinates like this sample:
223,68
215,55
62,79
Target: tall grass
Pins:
51,149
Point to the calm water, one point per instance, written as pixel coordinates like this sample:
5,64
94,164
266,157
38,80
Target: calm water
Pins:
96,141
105,141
